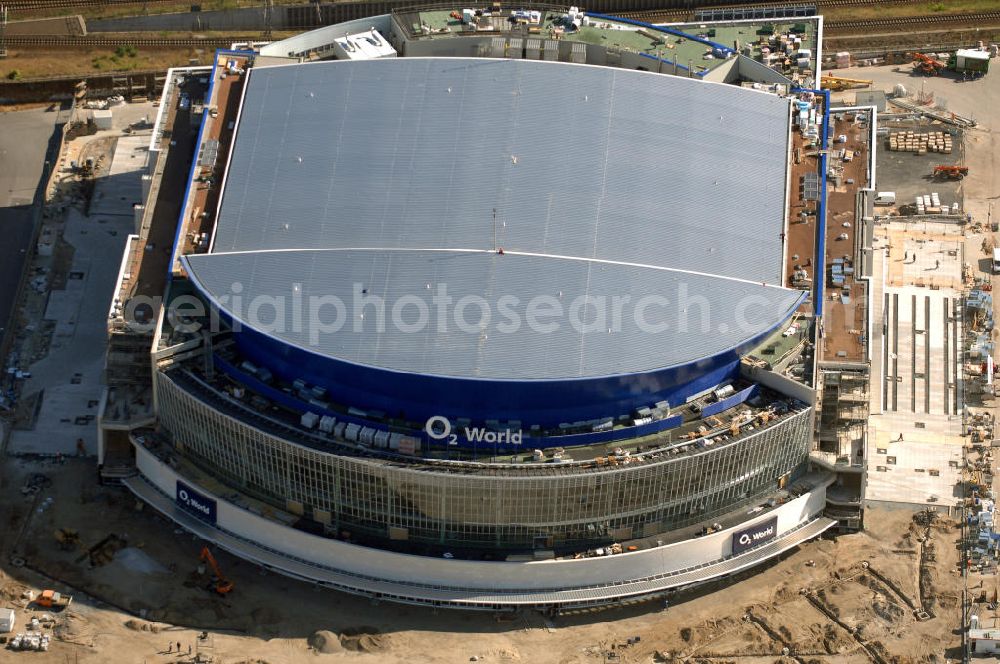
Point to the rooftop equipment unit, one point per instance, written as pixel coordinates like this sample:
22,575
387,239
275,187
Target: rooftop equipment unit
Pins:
724,392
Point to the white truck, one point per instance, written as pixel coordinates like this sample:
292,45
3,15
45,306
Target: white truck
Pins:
996,261
885,198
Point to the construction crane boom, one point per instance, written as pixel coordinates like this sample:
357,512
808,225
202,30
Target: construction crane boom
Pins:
837,83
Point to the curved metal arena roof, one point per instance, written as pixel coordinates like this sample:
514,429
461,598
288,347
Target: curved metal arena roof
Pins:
389,179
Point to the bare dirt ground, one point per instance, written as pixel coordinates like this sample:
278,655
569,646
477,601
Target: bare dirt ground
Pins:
149,594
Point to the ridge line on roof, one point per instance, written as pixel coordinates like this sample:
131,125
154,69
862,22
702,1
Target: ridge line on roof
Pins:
602,261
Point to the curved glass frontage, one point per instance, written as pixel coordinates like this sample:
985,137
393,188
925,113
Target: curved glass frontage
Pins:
517,507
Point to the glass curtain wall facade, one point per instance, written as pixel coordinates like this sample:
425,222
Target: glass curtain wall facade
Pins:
516,507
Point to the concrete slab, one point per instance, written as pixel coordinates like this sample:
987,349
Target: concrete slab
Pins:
70,376
121,189
63,307
924,471
915,444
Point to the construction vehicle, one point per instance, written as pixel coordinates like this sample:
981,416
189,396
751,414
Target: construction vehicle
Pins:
970,61
838,83
926,64
220,585
50,599
950,172
67,538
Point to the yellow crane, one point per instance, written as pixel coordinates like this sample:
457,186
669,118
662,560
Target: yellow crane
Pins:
837,83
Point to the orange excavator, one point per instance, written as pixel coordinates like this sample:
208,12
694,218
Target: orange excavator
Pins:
927,64
220,584
951,172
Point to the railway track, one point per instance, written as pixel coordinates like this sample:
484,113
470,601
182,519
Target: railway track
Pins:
916,22
38,5
85,42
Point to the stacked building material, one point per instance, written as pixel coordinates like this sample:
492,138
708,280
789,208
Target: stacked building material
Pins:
907,140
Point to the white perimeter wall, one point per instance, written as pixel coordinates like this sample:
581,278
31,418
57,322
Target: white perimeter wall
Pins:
536,575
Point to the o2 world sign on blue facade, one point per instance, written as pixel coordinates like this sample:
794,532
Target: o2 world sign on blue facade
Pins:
195,503
755,535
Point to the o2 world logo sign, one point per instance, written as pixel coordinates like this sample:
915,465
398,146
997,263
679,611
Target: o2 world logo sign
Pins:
439,427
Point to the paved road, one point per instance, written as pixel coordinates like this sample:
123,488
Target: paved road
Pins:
24,140
15,238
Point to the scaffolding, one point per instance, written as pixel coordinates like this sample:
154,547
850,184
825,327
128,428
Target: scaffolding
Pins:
844,413
842,432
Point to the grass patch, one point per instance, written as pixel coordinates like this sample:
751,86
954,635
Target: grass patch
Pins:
34,63
124,58
126,51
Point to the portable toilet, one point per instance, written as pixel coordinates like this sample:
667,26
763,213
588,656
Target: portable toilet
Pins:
7,620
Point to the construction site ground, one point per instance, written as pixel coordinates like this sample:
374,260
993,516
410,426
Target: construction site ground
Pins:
147,593
974,99
61,323
922,261
910,175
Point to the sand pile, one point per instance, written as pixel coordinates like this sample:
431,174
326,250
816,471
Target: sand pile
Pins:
364,639
325,642
73,628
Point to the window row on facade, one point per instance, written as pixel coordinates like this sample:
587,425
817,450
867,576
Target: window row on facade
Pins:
385,500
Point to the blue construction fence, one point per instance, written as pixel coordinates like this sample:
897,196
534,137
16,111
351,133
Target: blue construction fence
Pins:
729,402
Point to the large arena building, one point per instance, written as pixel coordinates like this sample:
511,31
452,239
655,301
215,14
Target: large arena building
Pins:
450,328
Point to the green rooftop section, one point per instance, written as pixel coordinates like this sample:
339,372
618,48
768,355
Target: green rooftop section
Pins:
772,42
667,47
440,23
773,349
754,36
